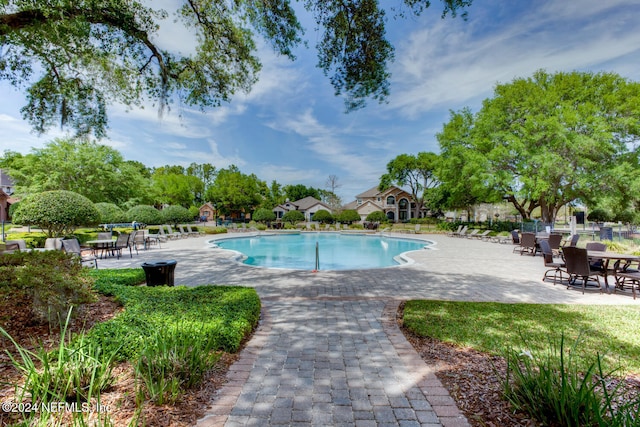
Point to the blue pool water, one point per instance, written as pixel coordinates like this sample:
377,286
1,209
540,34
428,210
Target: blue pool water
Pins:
336,251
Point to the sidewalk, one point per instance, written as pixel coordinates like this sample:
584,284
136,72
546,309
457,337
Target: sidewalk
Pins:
328,350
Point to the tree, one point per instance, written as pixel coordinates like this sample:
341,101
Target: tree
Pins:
322,216
544,141
234,191
110,213
263,215
176,215
416,172
329,196
293,217
172,187
144,214
462,179
84,54
96,171
58,212
300,191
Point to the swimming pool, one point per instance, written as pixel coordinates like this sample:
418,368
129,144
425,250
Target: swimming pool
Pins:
336,251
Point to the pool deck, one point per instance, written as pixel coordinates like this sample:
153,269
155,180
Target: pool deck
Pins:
328,350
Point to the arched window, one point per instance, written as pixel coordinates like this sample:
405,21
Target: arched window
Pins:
391,200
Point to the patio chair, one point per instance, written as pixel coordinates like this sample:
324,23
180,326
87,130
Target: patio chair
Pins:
554,243
626,278
123,242
596,264
182,232
19,245
515,239
577,264
53,244
528,244
104,247
86,255
571,241
556,269
161,236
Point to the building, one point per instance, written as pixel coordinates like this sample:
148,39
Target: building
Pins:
396,203
6,190
308,206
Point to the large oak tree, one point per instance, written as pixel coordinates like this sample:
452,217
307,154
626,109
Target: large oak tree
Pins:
547,140
75,57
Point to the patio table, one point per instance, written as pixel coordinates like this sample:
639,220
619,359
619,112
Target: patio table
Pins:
606,258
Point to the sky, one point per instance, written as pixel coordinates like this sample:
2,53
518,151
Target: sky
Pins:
292,129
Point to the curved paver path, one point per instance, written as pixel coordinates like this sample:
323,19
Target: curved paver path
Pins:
328,350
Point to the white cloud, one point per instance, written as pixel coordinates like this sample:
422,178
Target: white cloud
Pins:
450,63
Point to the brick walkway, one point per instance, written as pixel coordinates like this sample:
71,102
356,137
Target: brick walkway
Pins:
328,350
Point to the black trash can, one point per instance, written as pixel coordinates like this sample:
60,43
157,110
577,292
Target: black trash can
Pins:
159,273
606,233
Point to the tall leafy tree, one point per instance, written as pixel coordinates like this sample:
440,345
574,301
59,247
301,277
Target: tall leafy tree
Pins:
300,191
234,191
547,140
171,186
417,172
95,171
77,56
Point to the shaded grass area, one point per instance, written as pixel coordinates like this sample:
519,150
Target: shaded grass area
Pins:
610,331
222,315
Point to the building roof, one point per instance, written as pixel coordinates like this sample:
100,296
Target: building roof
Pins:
372,192
308,202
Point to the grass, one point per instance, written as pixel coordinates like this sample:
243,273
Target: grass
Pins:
608,330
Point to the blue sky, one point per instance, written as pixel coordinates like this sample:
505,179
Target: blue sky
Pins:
292,129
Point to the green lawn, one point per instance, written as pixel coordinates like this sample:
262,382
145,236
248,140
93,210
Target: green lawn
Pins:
611,331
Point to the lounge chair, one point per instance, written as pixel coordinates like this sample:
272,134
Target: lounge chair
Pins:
578,268
184,233
194,233
454,233
86,255
176,234
555,239
481,236
472,233
461,232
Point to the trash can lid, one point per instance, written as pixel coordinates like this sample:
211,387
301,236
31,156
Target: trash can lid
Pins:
159,263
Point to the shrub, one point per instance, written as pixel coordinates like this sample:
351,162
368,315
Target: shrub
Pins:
58,212
110,213
176,215
348,216
55,280
323,216
599,215
264,215
293,216
144,214
377,216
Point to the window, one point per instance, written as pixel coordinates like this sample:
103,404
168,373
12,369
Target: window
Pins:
391,200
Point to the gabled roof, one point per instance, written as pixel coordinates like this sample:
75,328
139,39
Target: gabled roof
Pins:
375,192
308,202
208,205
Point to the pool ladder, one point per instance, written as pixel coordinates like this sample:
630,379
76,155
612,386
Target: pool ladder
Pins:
315,270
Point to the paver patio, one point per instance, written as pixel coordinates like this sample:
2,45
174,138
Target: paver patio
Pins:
328,350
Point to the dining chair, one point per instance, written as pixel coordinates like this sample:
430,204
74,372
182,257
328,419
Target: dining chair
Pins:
578,268
72,246
557,268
